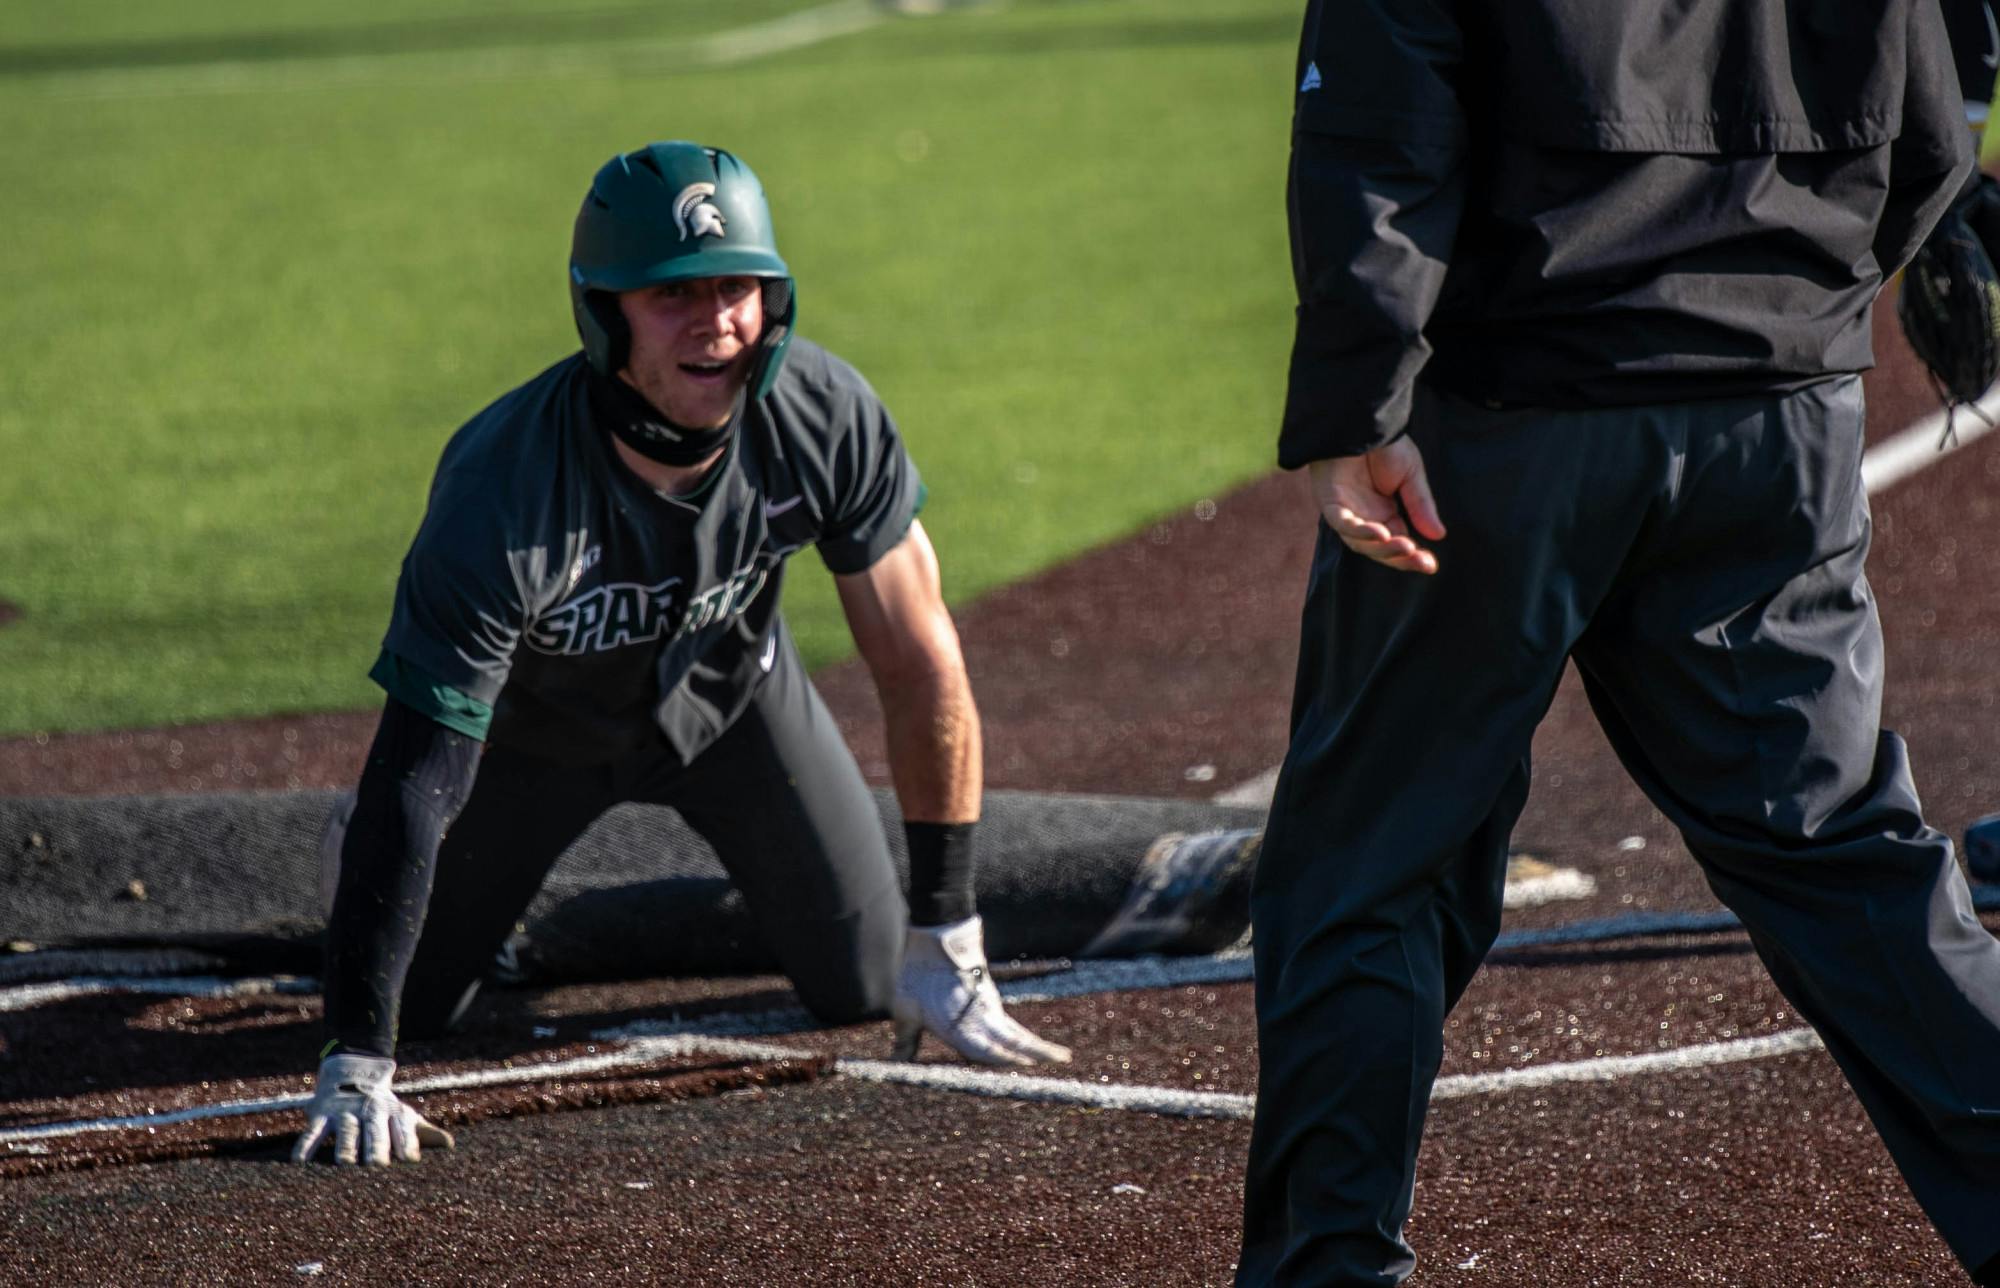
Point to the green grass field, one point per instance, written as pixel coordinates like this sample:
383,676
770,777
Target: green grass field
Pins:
260,261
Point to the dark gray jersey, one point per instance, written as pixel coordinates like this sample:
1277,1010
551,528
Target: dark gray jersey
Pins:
592,614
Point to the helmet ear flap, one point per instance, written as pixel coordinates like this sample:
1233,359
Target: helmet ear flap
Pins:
781,308
778,299
607,339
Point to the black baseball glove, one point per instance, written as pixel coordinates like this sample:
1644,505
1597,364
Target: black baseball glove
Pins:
1950,301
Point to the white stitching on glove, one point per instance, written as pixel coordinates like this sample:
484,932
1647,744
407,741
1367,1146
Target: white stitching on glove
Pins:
368,1124
944,987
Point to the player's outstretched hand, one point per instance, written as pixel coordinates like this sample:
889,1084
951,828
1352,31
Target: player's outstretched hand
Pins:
353,1106
945,989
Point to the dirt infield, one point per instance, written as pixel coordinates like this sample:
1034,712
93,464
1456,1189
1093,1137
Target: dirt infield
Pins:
1160,666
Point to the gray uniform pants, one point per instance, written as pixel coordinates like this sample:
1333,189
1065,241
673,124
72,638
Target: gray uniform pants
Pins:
1702,563
778,796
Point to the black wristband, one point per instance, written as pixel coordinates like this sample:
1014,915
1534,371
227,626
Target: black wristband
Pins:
941,858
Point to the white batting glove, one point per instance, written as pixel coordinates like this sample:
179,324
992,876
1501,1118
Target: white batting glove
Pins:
368,1124
945,988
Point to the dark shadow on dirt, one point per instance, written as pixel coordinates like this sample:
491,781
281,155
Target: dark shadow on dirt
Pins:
500,1013
106,1043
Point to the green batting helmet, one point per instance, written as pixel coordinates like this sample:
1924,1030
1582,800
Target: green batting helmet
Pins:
669,212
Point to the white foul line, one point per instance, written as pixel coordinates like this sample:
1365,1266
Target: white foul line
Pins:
720,49
1053,1091
1894,459
27,996
1221,1104
1254,793
711,1035
978,1082
643,1052
1561,886
1611,1068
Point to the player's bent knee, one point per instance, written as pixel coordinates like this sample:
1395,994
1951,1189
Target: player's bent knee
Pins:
845,969
848,997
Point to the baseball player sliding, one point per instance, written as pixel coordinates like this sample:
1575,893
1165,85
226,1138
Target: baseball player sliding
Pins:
589,615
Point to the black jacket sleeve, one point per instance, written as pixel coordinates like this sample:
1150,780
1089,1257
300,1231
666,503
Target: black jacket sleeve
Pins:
1932,156
1374,196
416,780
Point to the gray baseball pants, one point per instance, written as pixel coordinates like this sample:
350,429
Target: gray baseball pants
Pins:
779,798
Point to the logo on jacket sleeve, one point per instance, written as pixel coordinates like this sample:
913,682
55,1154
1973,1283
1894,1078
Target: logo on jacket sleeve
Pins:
696,214
1311,81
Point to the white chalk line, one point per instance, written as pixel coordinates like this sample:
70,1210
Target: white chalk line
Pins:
1613,1068
644,1051
1924,444
597,58
1223,1104
966,1080
726,1035
1564,885
1252,793
26,996
1052,1091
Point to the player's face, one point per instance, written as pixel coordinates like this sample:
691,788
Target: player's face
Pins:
693,344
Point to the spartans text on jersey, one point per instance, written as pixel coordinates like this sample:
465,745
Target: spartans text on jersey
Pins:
622,613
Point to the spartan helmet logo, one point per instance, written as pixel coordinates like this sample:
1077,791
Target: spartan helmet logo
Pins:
695,213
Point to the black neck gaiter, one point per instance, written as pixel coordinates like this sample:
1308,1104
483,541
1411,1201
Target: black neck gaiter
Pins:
629,414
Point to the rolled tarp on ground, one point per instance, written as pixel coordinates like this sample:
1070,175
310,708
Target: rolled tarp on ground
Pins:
640,894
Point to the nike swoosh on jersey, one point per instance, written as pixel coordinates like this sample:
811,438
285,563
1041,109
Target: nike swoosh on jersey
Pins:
772,509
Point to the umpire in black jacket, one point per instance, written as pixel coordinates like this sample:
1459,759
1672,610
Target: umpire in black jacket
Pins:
1586,283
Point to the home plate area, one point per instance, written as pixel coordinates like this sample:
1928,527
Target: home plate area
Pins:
1629,1074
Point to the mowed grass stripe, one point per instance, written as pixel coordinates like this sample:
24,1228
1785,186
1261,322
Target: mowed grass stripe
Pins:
602,53
241,327
59,34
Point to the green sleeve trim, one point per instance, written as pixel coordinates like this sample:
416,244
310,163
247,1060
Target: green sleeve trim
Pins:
419,692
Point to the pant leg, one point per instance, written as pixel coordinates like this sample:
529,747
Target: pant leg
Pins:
1739,676
522,814
1379,884
780,798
